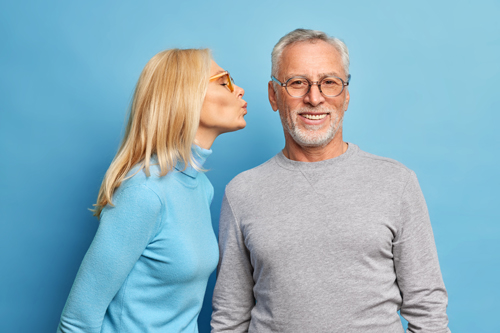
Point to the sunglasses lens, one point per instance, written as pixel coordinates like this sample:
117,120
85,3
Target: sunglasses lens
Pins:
230,82
227,76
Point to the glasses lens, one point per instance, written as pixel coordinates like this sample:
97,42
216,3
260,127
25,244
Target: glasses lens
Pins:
332,86
297,87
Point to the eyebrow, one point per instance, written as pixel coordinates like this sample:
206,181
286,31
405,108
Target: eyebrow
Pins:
321,75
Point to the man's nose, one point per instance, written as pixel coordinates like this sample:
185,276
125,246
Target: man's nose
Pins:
314,96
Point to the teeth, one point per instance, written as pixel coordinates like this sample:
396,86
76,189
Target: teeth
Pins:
314,117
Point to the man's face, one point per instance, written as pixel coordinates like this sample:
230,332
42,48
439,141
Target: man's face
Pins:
312,120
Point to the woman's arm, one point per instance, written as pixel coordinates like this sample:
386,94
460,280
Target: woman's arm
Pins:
124,232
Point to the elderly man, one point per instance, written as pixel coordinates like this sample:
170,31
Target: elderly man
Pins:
324,237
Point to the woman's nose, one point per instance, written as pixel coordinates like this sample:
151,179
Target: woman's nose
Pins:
239,91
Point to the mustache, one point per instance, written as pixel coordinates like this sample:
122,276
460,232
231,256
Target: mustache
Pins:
317,109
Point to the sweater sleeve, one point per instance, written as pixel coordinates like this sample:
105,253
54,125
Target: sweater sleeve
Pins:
124,232
233,298
417,266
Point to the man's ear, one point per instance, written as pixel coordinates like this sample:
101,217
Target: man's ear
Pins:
272,96
347,99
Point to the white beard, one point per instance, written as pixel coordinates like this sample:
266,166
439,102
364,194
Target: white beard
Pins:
310,136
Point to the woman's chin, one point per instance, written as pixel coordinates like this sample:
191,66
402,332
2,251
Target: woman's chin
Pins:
235,128
242,125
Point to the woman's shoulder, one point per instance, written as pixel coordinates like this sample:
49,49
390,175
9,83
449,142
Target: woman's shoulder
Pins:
137,178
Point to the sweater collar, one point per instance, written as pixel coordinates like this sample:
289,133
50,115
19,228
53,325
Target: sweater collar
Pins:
200,155
296,165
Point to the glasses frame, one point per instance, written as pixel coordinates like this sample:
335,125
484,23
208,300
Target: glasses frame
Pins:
311,83
230,81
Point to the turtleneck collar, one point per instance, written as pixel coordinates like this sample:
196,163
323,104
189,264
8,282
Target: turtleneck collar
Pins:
200,155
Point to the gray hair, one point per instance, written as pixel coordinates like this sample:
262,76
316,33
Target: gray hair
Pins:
302,35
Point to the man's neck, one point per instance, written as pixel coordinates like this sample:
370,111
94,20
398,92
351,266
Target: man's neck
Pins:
295,152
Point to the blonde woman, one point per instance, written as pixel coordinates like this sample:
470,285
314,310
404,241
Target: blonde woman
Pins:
148,265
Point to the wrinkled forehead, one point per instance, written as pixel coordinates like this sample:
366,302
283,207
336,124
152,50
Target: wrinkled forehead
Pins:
310,59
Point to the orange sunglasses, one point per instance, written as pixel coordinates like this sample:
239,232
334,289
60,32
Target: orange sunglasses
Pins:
229,79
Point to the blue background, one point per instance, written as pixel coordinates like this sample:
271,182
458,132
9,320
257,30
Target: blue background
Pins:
424,91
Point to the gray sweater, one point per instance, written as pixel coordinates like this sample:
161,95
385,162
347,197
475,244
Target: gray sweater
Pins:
333,246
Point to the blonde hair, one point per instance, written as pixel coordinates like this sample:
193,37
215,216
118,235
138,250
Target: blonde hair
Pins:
164,117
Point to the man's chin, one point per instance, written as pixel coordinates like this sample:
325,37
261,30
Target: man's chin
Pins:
312,141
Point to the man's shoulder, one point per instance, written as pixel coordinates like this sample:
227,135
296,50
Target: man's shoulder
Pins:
381,160
253,178
383,165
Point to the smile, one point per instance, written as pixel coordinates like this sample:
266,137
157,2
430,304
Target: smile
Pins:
314,116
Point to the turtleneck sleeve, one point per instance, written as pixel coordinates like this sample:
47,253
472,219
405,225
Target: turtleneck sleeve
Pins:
149,263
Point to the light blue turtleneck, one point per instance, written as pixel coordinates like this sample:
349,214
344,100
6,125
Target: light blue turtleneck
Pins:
148,265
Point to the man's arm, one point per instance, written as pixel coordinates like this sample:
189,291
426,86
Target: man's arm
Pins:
233,295
417,266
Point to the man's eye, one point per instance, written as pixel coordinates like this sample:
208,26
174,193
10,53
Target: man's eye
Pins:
297,83
329,82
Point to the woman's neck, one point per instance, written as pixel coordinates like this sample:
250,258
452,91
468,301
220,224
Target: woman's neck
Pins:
205,138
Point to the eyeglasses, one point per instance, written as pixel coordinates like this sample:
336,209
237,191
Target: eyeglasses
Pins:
299,86
229,79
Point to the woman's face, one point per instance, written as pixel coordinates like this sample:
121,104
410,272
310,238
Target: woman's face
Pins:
222,109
